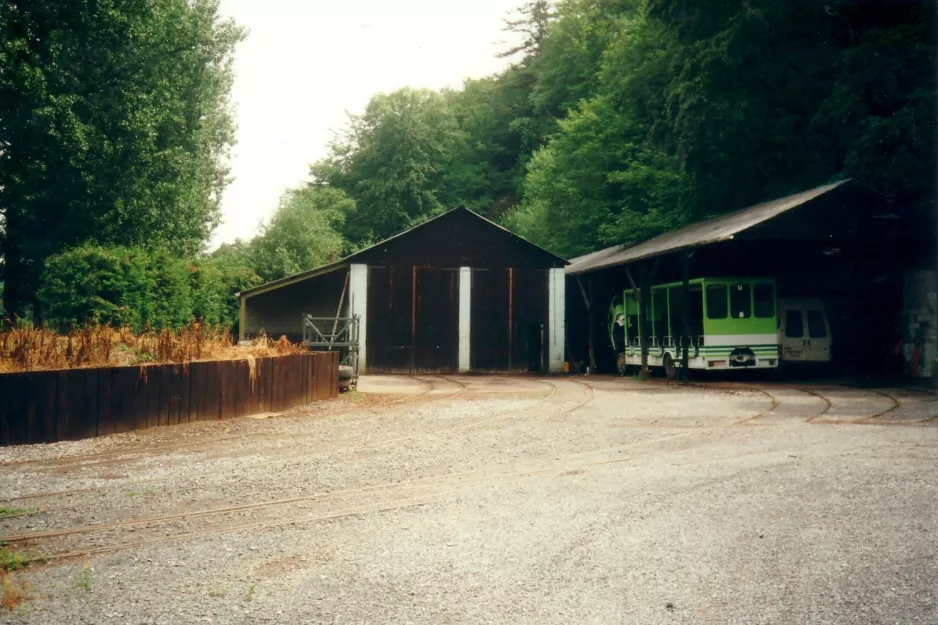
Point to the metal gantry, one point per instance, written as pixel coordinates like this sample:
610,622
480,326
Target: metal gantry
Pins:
334,334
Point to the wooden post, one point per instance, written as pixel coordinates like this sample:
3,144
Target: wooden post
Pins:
588,301
685,313
243,317
639,290
413,319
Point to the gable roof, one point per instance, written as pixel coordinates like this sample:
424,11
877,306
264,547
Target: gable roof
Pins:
716,229
376,251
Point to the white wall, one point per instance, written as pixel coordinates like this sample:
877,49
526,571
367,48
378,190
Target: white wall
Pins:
358,305
556,320
465,308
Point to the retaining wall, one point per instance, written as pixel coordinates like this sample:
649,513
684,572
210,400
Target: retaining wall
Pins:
50,406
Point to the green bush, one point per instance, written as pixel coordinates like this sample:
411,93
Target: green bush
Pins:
95,284
122,286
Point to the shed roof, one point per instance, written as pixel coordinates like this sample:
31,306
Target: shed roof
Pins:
716,229
462,215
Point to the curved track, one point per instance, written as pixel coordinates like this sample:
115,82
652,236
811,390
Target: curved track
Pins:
800,405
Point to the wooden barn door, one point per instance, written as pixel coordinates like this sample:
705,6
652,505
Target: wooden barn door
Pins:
413,319
435,320
388,318
509,309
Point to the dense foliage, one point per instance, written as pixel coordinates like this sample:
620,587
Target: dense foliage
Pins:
624,118
133,288
617,120
114,125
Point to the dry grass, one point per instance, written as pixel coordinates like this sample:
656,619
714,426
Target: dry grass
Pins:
14,590
37,349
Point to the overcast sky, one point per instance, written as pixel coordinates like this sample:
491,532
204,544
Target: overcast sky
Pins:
305,63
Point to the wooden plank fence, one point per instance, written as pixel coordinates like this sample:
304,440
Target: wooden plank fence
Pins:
50,406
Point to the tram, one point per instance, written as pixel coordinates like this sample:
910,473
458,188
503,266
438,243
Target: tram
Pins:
732,325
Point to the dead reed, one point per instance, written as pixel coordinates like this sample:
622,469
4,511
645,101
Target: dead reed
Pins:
38,349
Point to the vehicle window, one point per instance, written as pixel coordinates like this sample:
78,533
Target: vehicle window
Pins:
763,296
741,299
716,301
817,329
794,325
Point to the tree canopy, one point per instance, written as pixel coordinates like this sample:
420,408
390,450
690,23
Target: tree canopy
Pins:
114,125
624,118
617,120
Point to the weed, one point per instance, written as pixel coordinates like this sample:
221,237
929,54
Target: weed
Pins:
218,594
12,560
26,348
5,511
84,580
249,595
137,493
14,590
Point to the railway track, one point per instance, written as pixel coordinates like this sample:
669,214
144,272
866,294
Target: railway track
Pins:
388,496
371,444
409,493
123,455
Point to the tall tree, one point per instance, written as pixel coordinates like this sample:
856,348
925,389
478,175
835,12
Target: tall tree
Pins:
302,234
531,23
391,160
114,125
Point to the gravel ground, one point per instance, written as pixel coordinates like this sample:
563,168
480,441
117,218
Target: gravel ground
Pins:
495,500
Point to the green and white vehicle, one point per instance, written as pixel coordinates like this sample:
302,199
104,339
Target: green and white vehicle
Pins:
732,325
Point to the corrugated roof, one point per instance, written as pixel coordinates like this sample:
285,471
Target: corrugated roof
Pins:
312,273
721,228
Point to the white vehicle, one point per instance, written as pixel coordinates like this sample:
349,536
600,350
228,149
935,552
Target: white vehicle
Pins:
804,335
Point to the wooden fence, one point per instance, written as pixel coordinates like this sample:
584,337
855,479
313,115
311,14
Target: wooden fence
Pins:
49,406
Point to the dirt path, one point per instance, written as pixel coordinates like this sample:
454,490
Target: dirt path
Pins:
447,499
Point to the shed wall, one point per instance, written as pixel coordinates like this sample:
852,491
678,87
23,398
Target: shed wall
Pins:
280,312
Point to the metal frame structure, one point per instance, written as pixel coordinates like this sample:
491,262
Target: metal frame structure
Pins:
344,337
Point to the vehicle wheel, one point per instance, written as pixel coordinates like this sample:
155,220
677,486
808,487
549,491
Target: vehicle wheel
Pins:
669,369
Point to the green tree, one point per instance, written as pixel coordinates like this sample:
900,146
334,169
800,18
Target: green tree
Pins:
391,161
114,126
302,234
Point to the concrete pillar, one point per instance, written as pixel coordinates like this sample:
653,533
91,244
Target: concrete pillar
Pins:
555,320
358,305
465,317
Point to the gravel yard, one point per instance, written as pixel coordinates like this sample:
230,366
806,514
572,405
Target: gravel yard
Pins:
495,500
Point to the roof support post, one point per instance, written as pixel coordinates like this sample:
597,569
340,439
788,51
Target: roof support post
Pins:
685,314
242,317
643,318
588,301
358,307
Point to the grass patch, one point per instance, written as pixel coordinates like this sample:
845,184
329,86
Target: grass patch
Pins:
249,595
12,560
6,511
14,590
216,593
85,579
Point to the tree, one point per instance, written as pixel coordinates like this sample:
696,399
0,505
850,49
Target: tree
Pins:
114,125
302,234
531,24
391,161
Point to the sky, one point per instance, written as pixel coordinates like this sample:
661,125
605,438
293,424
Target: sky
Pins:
305,64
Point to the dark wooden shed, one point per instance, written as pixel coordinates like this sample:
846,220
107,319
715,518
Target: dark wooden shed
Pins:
456,293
